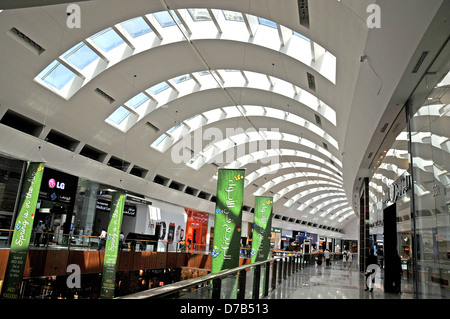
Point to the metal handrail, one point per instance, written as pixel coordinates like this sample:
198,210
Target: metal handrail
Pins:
172,288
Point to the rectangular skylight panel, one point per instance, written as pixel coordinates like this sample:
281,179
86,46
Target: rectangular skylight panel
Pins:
301,36
165,19
107,39
199,15
233,16
158,88
137,100
267,23
56,75
159,140
119,115
182,78
136,27
80,56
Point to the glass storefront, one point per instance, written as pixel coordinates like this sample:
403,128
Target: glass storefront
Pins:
411,180
430,150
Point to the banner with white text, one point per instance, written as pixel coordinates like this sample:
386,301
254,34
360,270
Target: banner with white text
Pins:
262,228
112,246
228,219
22,231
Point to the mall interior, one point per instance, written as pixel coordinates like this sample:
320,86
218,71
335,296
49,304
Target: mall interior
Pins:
122,121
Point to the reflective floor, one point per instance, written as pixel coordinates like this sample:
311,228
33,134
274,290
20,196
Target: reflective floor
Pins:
335,282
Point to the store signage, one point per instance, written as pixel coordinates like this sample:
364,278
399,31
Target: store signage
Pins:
104,205
112,246
261,228
22,231
228,219
58,187
398,188
275,230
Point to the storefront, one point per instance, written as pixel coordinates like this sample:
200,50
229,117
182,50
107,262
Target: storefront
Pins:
410,193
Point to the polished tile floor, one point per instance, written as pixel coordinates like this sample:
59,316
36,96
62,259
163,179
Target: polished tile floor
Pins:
334,282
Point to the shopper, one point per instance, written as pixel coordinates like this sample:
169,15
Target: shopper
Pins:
319,258
345,257
102,239
327,257
349,259
121,240
39,229
372,260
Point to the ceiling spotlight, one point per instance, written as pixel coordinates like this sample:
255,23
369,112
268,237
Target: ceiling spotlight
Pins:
363,58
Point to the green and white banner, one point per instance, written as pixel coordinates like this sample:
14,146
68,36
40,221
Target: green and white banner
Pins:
22,231
228,219
262,228
112,246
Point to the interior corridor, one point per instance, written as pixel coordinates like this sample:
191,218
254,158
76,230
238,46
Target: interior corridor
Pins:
335,282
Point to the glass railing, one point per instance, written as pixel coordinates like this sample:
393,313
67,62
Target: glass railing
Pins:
251,281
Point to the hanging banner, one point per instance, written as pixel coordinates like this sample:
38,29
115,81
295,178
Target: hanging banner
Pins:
262,228
22,231
228,219
112,246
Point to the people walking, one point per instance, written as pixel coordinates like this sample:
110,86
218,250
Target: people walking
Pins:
327,257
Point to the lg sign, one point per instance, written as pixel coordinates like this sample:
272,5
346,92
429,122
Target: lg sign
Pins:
52,184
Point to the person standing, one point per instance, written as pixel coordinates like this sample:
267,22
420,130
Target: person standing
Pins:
327,257
349,259
102,239
39,229
345,257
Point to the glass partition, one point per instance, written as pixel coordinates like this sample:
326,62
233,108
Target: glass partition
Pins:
430,147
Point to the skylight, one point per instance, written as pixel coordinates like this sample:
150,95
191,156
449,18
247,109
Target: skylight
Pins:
107,39
165,19
56,75
267,23
199,14
182,78
137,100
136,27
158,88
80,56
119,115
233,16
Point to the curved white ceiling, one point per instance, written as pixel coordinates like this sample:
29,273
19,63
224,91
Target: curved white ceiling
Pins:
139,79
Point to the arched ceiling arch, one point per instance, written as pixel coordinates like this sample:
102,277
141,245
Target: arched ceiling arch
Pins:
307,78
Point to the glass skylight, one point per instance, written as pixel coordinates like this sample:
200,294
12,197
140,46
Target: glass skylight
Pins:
119,115
158,88
56,75
80,56
182,78
136,27
233,16
107,39
165,19
160,139
199,14
267,23
301,36
137,100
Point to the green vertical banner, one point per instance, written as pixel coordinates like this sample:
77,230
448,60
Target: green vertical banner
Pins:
228,219
22,231
112,246
262,228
